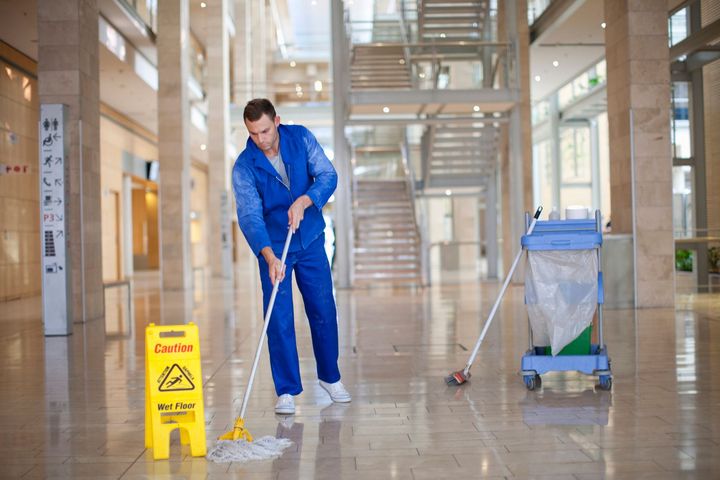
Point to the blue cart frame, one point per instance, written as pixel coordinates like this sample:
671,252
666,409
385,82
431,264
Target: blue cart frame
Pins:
568,235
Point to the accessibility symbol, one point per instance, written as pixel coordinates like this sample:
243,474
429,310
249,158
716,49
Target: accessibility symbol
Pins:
176,380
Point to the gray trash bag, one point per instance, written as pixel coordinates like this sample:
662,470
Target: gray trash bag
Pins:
561,293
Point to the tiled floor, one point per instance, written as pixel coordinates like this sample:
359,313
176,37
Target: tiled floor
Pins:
73,407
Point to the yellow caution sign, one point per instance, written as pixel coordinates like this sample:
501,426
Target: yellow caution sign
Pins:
173,389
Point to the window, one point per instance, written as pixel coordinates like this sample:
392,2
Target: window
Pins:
680,120
678,27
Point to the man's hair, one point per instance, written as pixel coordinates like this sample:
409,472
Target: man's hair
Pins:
257,107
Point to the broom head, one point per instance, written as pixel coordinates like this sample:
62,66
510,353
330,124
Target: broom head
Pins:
457,378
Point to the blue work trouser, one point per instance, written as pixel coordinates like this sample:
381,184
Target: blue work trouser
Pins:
314,280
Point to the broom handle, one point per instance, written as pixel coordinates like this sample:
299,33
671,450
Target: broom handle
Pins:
265,327
500,296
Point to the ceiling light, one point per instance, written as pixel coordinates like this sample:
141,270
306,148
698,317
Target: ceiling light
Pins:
442,35
203,147
203,4
314,2
421,75
292,63
603,24
537,78
448,192
298,88
299,94
318,86
386,109
556,63
401,61
496,124
476,108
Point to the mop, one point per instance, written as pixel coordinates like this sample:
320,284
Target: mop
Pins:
462,376
238,444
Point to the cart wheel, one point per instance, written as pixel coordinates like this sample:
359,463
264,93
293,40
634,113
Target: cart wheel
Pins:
605,382
538,381
530,381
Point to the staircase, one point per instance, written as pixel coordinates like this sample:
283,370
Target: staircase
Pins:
376,67
460,155
452,20
387,243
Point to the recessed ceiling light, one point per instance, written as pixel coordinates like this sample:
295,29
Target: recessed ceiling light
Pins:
556,63
603,24
203,147
386,109
292,63
318,86
448,192
401,61
421,75
537,78
442,35
476,108
203,4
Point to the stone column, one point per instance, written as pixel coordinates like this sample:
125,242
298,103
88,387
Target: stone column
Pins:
258,47
516,147
243,59
173,142
638,91
68,73
217,84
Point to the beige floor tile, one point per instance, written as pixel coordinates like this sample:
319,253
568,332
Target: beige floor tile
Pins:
660,421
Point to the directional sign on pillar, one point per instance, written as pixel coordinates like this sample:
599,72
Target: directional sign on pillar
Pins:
57,317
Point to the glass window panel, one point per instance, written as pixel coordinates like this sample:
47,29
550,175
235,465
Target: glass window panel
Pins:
575,155
683,201
565,95
680,122
580,85
678,27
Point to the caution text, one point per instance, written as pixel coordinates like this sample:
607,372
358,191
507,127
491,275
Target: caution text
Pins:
176,348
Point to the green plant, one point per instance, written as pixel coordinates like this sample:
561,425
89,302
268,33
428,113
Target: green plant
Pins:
714,259
683,260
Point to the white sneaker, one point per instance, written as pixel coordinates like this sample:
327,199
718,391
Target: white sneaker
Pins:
285,404
337,391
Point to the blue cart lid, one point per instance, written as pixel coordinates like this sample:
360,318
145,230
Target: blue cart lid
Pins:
563,235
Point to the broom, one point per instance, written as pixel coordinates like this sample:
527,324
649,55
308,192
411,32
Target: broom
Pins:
238,445
462,376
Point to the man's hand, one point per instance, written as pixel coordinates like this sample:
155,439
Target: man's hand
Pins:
297,211
275,267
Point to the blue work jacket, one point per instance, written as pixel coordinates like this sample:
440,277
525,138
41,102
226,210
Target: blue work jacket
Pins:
263,199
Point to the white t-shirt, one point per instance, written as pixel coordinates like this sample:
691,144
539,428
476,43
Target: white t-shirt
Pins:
279,167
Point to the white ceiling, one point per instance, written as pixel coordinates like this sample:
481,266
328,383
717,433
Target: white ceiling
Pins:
18,25
576,43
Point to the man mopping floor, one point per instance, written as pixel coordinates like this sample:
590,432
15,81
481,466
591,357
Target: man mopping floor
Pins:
282,180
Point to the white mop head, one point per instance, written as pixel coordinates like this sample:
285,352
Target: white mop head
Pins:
241,451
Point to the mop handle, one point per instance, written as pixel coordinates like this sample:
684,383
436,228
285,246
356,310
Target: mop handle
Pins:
265,327
500,296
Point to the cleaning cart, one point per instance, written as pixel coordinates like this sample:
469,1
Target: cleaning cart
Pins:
563,292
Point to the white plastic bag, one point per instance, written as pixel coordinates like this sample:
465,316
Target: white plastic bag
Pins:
561,293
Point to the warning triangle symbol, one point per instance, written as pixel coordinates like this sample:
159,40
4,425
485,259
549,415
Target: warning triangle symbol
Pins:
176,381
